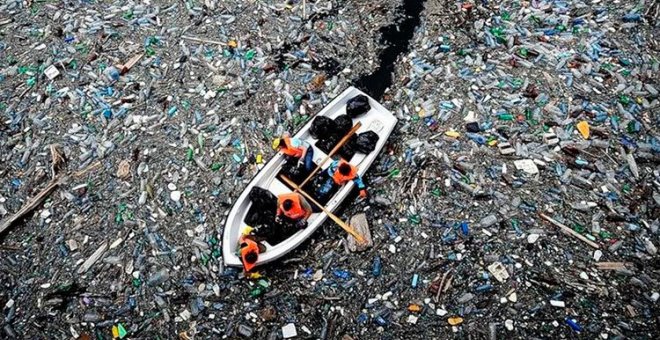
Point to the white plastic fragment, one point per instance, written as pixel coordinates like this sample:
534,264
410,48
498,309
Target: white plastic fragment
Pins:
506,148
499,271
655,296
531,238
116,243
175,196
558,303
51,72
513,297
72,244
289,331
92,259
597,255
526,165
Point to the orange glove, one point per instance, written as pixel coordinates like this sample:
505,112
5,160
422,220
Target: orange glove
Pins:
363,193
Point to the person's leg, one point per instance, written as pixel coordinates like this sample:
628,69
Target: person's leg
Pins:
325,188
309,159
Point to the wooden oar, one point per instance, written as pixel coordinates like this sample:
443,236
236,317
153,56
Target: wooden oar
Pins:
337,220
332,153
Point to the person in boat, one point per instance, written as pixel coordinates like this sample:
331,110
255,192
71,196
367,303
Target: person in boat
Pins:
339,173
294,207
296,149
250,249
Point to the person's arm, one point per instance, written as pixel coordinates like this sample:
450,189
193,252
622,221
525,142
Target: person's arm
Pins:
358,181
332,168
305,146
279,210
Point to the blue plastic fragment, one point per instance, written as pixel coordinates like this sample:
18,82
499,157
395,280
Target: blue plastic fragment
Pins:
573,324
377,266
632,17
341,274
484,288
391,230
465,228
381,321
415,280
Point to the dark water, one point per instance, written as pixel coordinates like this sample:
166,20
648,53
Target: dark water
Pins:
396,37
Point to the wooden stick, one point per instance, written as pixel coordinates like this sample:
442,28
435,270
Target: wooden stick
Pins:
337,220
36,200
569,231
32,203
611,265
332,153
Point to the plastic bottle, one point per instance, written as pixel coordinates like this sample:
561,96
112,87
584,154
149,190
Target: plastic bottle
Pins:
488,221
377,266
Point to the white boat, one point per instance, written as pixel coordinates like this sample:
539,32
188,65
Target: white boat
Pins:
377,119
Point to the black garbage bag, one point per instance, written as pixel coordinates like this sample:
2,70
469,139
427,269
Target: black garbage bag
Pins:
294,172
263,209
322,127
347,152
343,124
366,142
327,144
357,105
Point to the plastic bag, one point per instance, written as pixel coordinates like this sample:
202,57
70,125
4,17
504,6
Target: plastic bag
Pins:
343,124
347,152
263,209
366,142
327,144
357,105
294,172
322,127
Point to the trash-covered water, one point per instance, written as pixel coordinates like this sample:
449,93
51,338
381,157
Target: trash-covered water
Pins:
518,196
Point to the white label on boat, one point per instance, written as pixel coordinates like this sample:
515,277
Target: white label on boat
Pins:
376,126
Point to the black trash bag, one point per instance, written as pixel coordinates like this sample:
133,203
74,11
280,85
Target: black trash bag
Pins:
327,144
263,209
347,152
343,124
294,172
357,105
322,127
366,142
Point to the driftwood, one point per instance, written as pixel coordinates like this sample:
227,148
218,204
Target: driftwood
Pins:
31,204
52,185
569,231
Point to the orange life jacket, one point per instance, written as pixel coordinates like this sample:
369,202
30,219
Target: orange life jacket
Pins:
341,179
297,211
289,150
248,246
